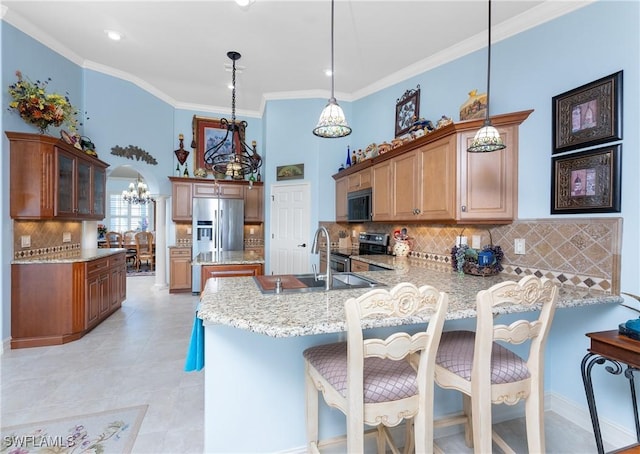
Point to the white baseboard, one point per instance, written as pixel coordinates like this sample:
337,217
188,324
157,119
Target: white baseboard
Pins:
5,346
612,433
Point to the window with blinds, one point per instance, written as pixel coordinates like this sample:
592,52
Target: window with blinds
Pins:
124,216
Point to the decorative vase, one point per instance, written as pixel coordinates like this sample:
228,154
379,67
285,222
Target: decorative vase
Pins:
401,248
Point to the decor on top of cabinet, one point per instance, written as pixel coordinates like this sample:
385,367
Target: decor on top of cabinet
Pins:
181,153
39,108
474,107
200,172
477,262
407,110
133,152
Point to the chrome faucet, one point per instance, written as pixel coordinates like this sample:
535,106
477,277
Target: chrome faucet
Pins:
315,250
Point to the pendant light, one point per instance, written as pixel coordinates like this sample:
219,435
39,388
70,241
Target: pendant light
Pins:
225,157
332,122
487,138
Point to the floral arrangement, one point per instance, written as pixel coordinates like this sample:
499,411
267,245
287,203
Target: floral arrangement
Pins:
465,260
39,108
102,230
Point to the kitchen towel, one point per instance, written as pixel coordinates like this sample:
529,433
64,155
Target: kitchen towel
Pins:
195,353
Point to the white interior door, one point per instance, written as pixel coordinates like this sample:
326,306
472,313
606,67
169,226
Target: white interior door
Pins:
290,246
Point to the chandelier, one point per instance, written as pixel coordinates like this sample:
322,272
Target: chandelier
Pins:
137,193
238,159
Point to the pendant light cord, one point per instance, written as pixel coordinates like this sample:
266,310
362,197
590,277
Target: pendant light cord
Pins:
332,72
487,120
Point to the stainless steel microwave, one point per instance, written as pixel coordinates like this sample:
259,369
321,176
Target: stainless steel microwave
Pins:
359,206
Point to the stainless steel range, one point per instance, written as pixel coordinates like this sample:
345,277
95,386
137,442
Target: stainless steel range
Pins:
369,244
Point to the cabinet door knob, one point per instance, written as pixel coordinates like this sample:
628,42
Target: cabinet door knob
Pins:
464,208
416,211
302,245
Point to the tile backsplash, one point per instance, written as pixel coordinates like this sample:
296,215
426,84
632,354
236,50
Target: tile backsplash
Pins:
45,237
584,252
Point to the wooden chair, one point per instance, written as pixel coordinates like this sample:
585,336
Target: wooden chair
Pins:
114,239
379,382
487,373
144,249
129,241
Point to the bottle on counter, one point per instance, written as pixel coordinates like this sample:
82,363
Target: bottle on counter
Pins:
348,157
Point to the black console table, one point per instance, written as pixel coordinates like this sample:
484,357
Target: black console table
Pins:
611,347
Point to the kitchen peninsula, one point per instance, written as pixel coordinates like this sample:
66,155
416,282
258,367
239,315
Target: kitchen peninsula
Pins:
254,373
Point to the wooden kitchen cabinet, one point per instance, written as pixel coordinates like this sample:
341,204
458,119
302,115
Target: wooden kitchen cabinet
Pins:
359,180
50,179
359,265
181,201
179,269
254,203
381,197
239,270
435,179
341,199
74,298
184,190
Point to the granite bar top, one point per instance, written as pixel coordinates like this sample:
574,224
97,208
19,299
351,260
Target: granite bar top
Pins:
237,302
229,258
72,256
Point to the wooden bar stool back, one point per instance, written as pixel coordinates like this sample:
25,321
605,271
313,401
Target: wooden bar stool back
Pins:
487,373
379,381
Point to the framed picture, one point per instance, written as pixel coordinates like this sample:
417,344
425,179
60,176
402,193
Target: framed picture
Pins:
407,111
207,133
588,115
587,182
290,172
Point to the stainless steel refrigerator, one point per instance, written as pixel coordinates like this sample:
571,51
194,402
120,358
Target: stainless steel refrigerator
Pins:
218,227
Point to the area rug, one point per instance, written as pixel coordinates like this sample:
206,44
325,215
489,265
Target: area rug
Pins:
133,273
112,431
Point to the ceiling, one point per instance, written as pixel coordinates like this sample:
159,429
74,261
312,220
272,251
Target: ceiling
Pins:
177,49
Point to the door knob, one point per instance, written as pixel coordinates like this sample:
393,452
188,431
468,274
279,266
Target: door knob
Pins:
302,245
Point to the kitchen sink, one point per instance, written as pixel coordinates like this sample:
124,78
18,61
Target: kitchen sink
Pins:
301,283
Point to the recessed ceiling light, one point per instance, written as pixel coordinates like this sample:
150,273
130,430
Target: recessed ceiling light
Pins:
244,3
113,35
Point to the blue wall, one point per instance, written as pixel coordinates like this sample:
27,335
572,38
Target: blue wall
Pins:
527,71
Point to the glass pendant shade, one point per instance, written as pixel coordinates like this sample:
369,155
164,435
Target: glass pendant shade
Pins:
332,122
487,139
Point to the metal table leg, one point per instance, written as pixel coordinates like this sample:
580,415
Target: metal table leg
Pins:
615,368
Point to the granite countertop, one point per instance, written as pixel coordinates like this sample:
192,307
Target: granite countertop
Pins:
229,258
72,256
237,302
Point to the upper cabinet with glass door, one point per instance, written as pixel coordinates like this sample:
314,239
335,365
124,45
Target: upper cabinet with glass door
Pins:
51,179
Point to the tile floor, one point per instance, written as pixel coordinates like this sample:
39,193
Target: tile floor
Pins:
137,357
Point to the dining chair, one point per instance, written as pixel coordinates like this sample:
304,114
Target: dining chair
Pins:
379,381
129,241
479,365
114,239
144,249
